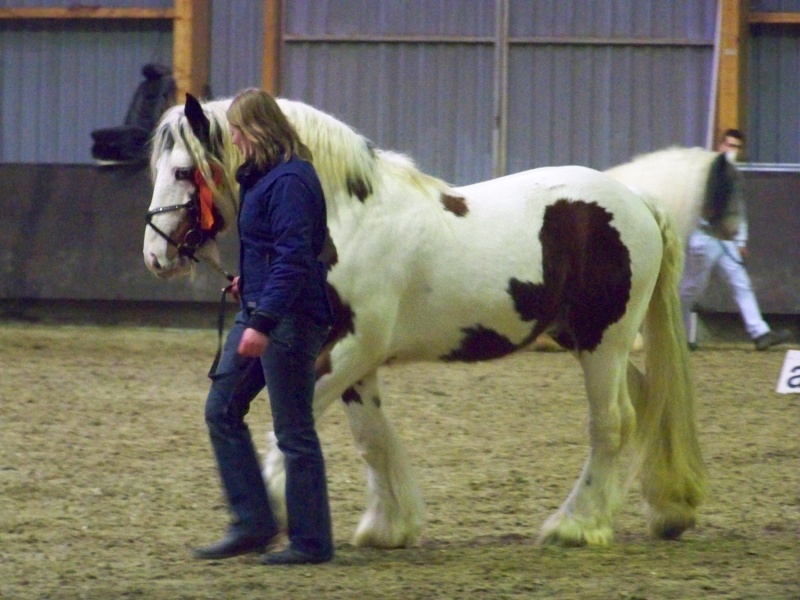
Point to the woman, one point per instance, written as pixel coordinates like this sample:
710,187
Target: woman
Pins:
284,319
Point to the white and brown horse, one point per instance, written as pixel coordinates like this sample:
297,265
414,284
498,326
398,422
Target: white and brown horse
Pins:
425,271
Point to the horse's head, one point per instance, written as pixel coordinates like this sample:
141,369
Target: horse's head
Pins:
195,195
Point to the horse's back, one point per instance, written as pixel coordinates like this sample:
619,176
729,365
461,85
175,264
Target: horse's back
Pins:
546,185
543,182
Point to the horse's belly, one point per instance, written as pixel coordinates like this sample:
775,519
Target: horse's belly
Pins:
459,327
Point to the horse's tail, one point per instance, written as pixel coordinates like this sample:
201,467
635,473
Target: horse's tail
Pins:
672,475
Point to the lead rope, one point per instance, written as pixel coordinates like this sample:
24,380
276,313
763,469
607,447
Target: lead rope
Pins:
738,261
220,328
221,313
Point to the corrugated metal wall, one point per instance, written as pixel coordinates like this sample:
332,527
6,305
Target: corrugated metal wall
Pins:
237,45
414,77
602,81
588,82
773,121
60,79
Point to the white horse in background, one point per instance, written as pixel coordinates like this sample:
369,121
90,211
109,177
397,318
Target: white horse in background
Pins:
691,184
425,271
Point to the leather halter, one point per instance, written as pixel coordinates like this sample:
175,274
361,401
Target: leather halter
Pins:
196,235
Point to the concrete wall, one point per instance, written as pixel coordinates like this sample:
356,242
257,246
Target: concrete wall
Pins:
75,232
773,262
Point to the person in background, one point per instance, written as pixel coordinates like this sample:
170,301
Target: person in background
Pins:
285,318
705,252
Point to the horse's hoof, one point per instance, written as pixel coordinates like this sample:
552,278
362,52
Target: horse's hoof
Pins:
553,539
566,532
673,531
378,530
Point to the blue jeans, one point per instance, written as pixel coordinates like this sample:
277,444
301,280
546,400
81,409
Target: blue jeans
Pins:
287,370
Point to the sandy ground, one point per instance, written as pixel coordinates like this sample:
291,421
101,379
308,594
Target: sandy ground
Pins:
107,480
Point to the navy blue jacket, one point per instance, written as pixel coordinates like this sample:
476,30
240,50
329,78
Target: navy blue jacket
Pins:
282,230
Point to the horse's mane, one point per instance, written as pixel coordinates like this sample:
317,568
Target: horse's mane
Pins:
348,164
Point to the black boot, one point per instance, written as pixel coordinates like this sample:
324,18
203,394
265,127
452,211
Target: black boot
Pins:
235,544
290,556
772,338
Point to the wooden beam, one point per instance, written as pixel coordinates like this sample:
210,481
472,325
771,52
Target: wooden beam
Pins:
731,100
774,18
561,40
191,48
86,12
271,62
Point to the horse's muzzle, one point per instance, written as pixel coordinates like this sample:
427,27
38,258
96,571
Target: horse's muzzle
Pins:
173,268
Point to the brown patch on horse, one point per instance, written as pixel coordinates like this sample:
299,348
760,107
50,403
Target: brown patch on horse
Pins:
343,324
359,187
323,365
480,343
455,204
328,255
587,276
351,396
343,317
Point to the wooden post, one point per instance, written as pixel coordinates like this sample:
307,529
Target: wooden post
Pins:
731,94
500,129
270,79
191,45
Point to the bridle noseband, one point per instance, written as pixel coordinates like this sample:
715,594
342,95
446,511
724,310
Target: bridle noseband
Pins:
196,235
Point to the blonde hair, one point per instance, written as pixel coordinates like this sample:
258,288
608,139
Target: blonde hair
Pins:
256,114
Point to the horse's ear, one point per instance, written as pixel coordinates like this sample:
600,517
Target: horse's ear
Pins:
197,120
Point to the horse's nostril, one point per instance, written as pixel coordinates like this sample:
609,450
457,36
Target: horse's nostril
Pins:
156,264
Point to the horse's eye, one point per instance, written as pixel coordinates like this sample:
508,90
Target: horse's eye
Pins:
183,174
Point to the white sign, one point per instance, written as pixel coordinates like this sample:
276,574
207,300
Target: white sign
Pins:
789,382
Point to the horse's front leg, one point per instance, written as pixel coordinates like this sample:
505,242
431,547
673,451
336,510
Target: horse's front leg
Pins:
395,513
586,515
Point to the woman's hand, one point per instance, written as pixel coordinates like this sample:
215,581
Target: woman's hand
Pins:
253,343
233,288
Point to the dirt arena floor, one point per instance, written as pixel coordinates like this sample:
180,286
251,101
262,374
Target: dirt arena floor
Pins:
107,480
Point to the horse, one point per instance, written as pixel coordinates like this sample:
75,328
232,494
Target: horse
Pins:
421,270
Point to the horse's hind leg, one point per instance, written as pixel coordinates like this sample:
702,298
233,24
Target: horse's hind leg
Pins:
394,516
586,515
